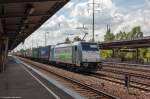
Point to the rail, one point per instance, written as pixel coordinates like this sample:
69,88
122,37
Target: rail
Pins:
86,86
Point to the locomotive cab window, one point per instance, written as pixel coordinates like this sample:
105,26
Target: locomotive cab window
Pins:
75,48
89,46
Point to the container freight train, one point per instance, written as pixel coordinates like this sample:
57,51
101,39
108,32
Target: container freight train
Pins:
76,56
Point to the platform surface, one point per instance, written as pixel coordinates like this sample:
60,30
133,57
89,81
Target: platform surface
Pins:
16,83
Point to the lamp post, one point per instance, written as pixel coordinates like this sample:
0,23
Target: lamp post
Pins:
93,19
46,38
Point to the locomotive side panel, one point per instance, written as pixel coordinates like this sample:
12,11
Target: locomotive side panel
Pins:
63,54
77,55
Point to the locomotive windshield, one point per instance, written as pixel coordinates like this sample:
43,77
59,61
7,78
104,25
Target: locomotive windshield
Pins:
89,46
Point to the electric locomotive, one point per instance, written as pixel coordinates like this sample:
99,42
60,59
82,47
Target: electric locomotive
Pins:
80,55
77,55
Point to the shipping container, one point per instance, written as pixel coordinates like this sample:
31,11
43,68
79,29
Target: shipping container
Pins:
23,52
35,53
44,53
29,53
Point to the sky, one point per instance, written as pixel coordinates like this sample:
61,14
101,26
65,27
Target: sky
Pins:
118,14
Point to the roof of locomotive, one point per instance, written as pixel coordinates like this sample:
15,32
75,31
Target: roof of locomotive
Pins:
69,44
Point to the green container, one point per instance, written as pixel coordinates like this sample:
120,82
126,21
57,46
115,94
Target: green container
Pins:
22,51
35,53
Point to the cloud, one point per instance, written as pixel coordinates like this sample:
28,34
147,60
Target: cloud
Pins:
69,5
76,13
136,18
62,26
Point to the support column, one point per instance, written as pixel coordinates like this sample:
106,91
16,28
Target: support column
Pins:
0,55
3,53
2,47
137,54
113,53
117,53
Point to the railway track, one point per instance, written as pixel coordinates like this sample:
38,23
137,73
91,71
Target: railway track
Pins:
123,72
88,91
133,83
134,67
84,89
116,74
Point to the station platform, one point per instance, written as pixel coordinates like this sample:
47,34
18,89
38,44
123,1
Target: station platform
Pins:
17,83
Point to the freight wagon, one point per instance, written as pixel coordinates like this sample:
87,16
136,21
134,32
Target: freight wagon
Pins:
78,55
35,53
44,53
28,53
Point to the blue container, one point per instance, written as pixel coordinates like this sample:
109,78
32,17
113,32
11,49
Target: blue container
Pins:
44,52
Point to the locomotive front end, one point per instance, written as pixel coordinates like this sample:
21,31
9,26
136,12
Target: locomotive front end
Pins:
90,55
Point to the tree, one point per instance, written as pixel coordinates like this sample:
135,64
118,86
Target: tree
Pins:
107,37
135,33
105,54
139,34
121,36
117,36
145,54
